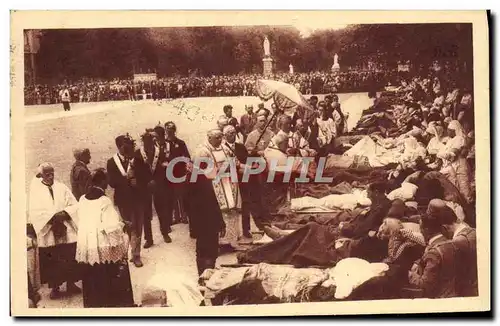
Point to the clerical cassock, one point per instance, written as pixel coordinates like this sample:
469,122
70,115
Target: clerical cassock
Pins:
52,212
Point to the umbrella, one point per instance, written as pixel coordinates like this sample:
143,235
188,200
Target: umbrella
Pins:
285,96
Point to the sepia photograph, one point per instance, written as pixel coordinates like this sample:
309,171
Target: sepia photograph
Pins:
324,162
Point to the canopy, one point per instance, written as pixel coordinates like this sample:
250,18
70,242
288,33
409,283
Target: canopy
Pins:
285,96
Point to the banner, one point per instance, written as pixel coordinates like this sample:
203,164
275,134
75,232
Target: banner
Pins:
403,67
144,77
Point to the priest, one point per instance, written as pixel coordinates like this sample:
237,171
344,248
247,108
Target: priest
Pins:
52,212
102,249
226,190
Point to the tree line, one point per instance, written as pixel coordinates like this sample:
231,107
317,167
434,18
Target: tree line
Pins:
72,54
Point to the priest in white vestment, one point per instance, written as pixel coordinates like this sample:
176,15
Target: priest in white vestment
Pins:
102,249
52,212
226,191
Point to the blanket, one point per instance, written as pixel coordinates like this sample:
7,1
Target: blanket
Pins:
172,289
293,220
343,180
267,283
263,283
310,245
321,190
331,202
350,273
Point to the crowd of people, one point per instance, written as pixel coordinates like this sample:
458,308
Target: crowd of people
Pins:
177,87
411,158
413,153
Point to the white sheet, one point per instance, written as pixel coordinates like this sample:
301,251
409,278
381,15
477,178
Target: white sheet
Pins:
349,273
331,202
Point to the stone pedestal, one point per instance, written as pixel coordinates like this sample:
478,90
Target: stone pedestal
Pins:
267,64
335,67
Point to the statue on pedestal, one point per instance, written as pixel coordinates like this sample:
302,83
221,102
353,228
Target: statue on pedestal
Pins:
291,69
336,65
267,61
267,47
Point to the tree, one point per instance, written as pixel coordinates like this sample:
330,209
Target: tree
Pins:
108,53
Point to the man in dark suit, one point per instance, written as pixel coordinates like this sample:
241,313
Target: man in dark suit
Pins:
251,194
126,197
154,91
148,163
175,192
239,151
329,106
248,120
363,228
464,240
463,237
435,273
80,174
313,101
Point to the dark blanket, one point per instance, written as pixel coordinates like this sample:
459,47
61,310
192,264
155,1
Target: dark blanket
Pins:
371,249
435,185
311,245
274,195
369,125
320,190
290,220
371,221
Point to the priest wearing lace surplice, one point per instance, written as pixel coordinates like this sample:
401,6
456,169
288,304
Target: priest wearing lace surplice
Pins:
52,212
102,249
